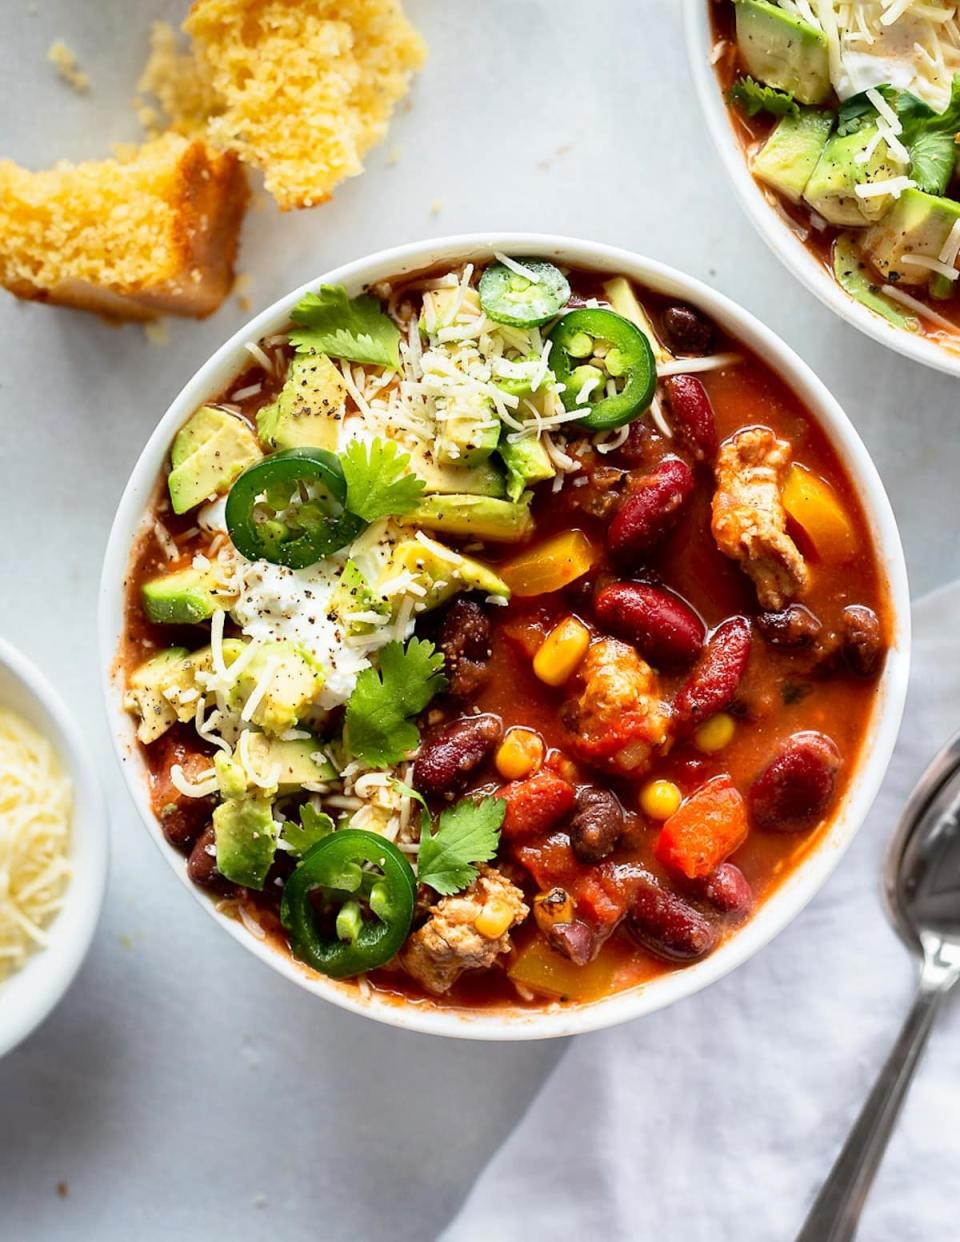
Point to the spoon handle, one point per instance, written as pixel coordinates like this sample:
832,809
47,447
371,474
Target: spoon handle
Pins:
836,1210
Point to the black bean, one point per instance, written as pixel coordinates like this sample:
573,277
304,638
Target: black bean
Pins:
597,824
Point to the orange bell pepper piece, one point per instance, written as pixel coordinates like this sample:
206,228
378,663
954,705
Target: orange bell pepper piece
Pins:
551,565
707,828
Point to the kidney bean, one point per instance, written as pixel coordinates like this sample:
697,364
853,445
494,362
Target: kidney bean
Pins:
653,507
693,415
535,805
669,926
715,677
574,940
795,789
728,890
597,825
688,331
792,628
658,623
464,639
202,863
861,640
447,760
643,445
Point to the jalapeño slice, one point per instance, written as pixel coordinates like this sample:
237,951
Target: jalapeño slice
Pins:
349,904
508,297
591,347
288,508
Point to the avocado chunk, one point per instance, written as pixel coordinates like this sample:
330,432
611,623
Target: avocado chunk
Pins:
295,762
145,697
215,447
186,597
527,462
853,277
475,517
484,479
619,293
469,429
783,50
353,595
787,159
831,188
917,223
293,683
441,306
309,408
443,572
246,839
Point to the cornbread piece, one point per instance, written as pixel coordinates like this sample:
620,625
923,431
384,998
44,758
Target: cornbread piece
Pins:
155,233
305,87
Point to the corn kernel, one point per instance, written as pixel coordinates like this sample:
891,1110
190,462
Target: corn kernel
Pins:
659,799
561,652
714,734
494,919
520,754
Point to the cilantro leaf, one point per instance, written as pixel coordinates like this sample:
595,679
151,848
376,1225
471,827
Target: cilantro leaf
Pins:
353,328
752,97
378,727
469,832
379,481
313,827
932,160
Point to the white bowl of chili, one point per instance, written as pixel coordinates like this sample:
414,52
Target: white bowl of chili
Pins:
935,342
517,1020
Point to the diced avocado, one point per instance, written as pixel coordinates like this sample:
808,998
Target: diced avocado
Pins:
831,188
852,276
442,571
516,376
246,839
309,408
476,517
182,598
783,50
145,696
917,223
468,429
353,595
231,775
787,159
441,305
298,761
482,480
527,462
619,293
220,448
295,681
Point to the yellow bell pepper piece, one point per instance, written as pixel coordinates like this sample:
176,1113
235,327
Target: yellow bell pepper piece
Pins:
813,505
551,565
561,652
542,970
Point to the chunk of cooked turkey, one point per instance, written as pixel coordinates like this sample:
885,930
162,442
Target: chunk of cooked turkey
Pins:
749,520
450,941
619,718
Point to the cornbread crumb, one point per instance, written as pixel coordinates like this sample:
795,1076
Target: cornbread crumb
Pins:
64,60
132,238
241,288
393,156
173,78
157,332
436,207
306,87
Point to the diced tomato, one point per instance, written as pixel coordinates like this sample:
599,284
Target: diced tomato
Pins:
707,828
535,805
181,818
526,633
594,903
551,862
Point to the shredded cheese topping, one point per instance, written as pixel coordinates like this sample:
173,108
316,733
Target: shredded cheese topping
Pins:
35,812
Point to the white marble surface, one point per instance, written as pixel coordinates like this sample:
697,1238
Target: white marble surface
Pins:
181,1089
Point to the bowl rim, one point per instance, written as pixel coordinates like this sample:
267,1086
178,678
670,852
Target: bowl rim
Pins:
773,227
29,994
793,894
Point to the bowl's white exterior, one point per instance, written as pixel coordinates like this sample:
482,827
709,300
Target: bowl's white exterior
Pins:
774,227
796,890
28,995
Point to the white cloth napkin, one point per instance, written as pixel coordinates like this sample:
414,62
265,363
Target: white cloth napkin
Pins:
718,1119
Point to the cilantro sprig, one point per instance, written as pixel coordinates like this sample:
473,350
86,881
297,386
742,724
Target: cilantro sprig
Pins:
313,827
379,480
328,322
378,728
468,833
752,97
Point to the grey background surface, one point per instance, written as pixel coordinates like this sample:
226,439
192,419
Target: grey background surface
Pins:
182,1090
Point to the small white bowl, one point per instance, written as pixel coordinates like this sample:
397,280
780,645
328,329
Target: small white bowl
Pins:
800,886
773,225
29,994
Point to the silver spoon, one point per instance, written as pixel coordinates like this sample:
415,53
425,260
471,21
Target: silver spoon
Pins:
921,881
